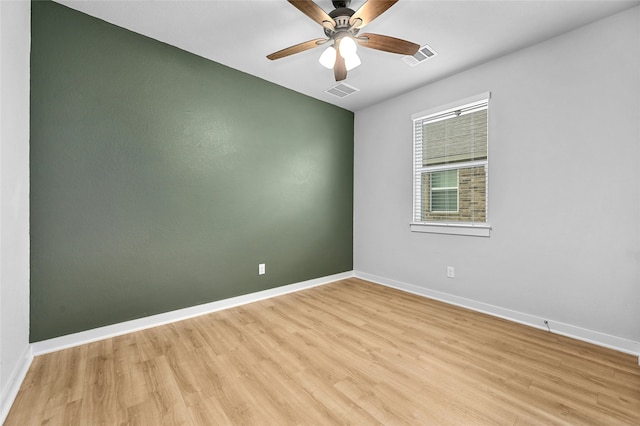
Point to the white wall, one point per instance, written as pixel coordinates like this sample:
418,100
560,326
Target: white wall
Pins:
564,184
14,200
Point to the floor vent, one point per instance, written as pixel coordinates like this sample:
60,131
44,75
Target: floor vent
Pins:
421,55
342,90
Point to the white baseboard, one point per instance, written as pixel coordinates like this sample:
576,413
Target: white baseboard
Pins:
590,336
10,392
76,339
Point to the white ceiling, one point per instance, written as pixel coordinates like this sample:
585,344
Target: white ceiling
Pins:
240,33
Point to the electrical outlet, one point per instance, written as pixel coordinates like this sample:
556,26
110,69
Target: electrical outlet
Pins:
451,272
262,269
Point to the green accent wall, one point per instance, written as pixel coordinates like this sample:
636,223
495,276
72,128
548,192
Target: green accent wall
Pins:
160,180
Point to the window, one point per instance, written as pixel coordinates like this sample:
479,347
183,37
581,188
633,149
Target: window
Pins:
451,168
443,191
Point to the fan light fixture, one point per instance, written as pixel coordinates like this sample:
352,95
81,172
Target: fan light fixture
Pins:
352,61
348,49
342,30
328,57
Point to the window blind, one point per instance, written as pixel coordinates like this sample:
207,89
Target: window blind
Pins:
457,138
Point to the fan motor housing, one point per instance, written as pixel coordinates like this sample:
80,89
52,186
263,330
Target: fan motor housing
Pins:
341,16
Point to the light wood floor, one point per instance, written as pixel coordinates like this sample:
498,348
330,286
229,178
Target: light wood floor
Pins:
350,352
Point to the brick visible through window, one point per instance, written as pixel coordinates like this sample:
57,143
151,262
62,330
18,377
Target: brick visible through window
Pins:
471,198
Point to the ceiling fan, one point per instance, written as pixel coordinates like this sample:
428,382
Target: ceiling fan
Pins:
341,26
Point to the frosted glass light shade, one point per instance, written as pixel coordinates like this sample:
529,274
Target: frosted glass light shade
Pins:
352,61
328,57
348,47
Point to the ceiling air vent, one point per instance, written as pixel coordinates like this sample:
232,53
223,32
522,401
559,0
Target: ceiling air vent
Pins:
341,90
421,55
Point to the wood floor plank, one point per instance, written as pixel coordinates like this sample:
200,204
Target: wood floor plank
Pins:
350,352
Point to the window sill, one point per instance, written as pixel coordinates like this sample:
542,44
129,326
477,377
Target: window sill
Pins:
452,229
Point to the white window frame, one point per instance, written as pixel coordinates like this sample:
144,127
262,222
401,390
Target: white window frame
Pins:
443,227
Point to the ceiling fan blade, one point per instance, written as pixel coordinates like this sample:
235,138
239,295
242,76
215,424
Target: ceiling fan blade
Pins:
340,68
301,47
388,44
314,12
370,11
